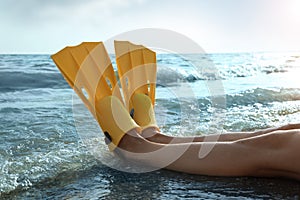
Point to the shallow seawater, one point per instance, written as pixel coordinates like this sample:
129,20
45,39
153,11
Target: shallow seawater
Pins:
48,139
101,182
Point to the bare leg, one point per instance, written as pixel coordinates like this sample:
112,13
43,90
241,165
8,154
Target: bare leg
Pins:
153,135
271,155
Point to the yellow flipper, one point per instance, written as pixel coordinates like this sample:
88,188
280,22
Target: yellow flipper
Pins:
137,73
143,114
137,70
88,70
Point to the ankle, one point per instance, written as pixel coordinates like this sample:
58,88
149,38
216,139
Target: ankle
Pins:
131,142
149,132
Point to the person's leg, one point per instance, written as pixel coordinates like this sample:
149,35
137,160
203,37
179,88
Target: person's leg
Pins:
269,155
153,135
280,148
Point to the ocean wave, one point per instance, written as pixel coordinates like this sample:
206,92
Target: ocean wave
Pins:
262,96
244,98
191,68
41,171
34,71
168,75
12,81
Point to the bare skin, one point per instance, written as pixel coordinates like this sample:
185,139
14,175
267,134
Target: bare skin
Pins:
265,153
153,135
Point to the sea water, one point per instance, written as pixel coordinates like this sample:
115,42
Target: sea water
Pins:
43,148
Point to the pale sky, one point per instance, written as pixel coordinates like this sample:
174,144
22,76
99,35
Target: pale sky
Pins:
46,26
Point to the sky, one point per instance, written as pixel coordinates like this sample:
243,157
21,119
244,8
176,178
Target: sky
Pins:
218,26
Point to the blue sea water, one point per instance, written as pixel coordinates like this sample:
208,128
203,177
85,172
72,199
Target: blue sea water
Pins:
44,152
